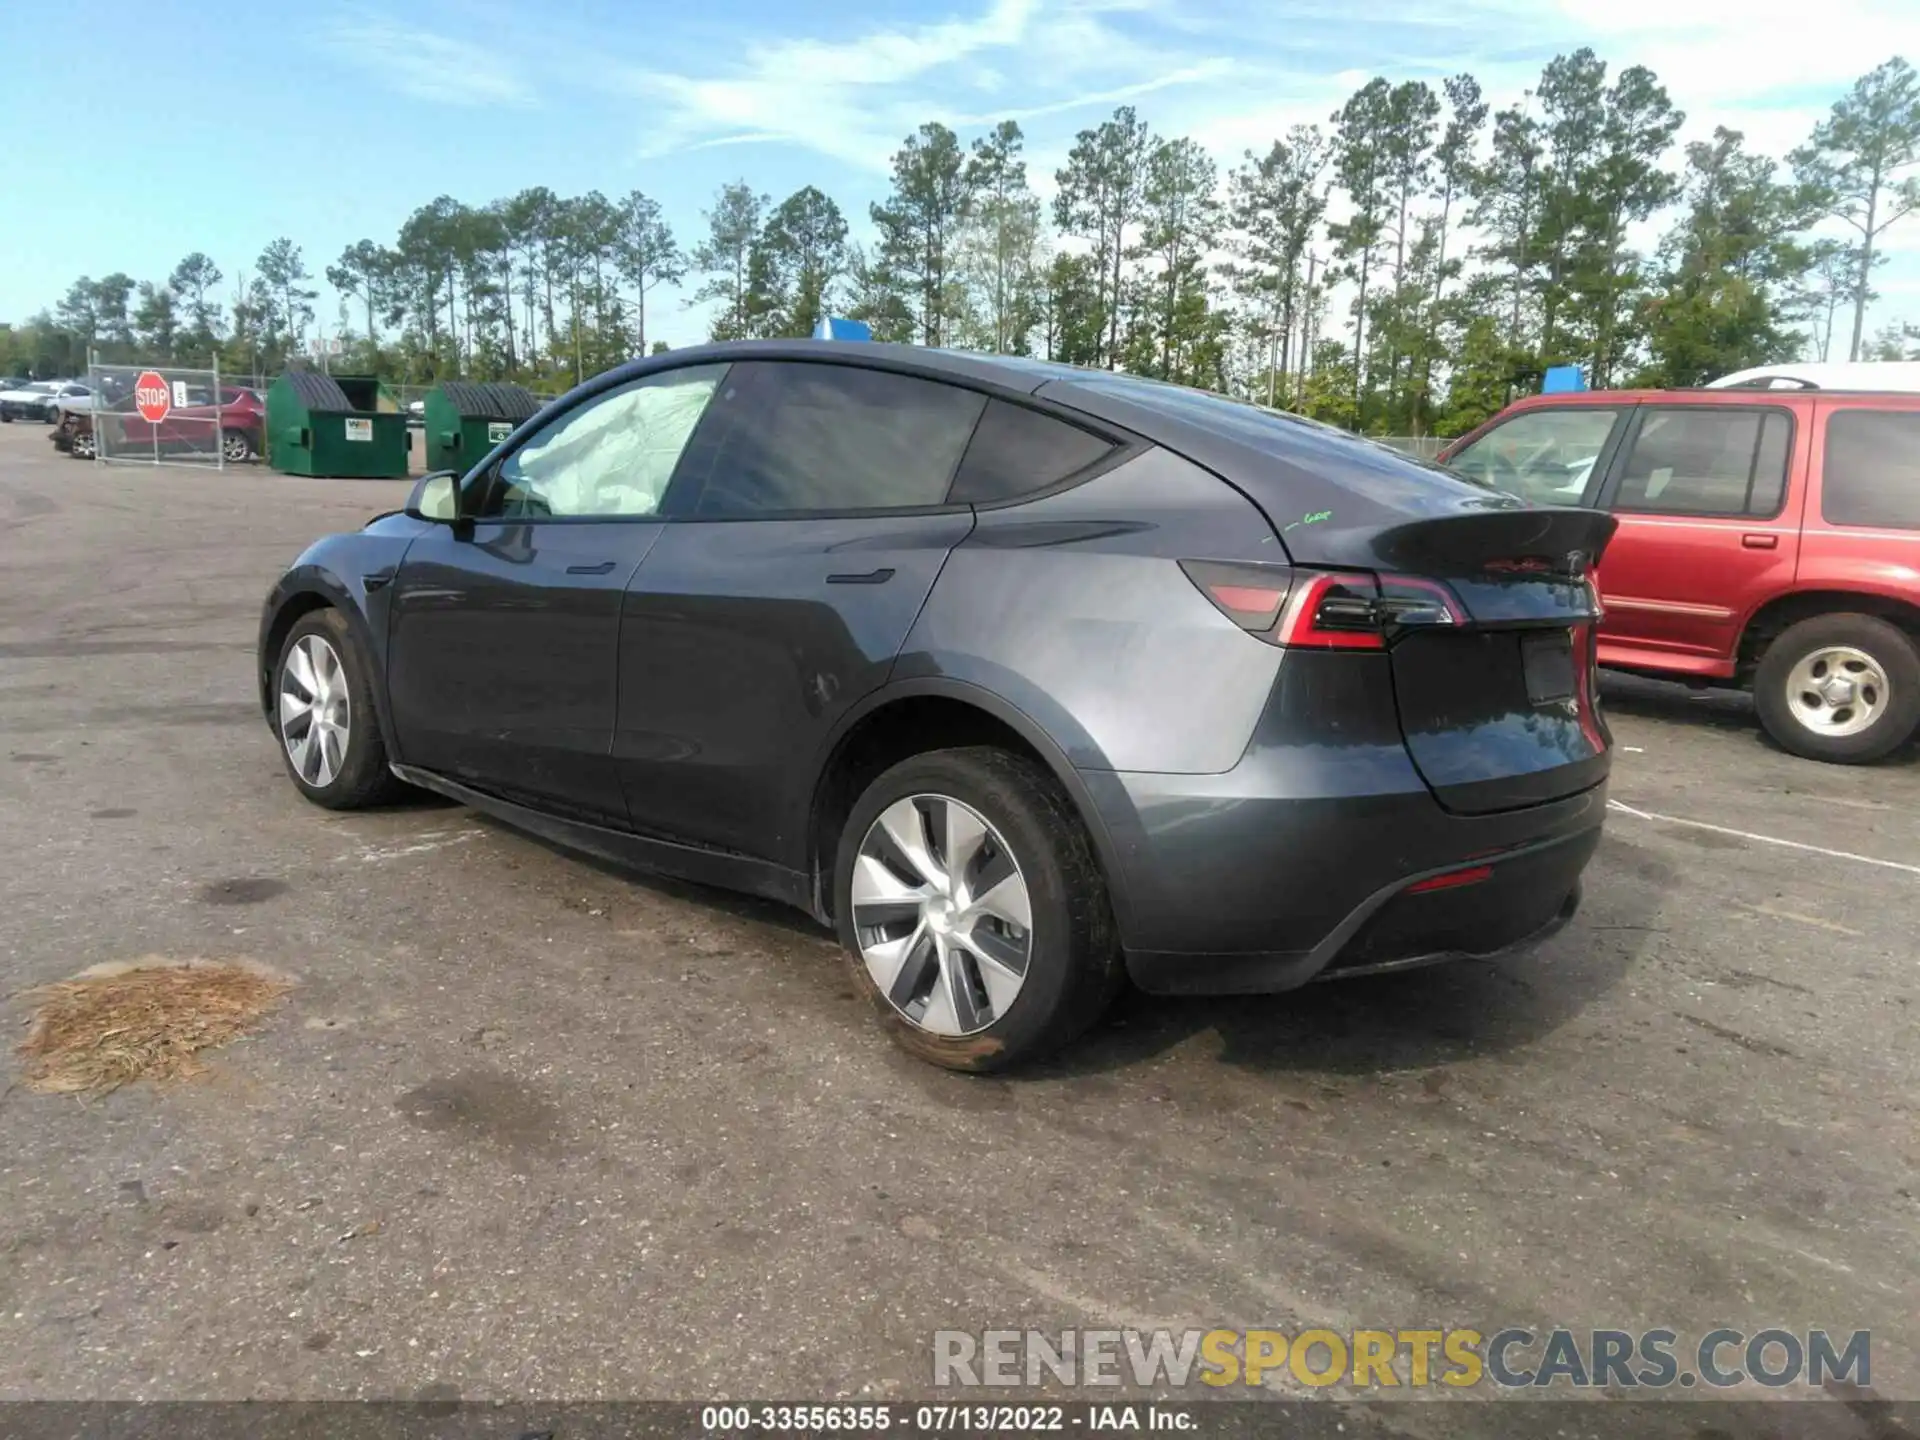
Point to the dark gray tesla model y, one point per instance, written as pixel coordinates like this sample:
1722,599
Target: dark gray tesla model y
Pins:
1028,679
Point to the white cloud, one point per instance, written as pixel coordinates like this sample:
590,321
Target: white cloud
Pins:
1236,74
1729,51
856,99
428,66
1205,70
841,98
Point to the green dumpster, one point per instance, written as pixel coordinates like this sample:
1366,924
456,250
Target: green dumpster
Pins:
333,425
463,420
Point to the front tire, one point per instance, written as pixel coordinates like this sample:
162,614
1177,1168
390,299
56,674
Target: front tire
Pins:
236,446
976,916
1842,688
324,717
80,447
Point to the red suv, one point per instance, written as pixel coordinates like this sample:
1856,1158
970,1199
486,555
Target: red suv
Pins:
236,425
1769,539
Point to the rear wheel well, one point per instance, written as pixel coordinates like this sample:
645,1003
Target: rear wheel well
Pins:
894,732
1774,618
290,614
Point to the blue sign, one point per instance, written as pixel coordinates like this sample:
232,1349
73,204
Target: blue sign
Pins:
833,327
1563,380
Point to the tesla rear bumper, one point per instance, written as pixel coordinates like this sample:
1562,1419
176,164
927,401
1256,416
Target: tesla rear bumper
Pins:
1250,894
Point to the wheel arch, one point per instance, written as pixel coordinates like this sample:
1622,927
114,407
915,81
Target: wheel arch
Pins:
1776,616
911,718
300,594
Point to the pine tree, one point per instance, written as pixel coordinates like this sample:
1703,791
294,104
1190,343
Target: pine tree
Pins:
919,222
1099,199
1858,162
725,256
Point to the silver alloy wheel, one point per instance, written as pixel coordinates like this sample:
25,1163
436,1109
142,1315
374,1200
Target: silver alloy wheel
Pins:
234,445
82,445
1837,690
942,915
315,714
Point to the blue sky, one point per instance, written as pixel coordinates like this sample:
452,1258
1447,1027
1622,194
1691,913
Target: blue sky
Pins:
183,126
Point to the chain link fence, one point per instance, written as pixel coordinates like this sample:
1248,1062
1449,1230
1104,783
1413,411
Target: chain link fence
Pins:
169,415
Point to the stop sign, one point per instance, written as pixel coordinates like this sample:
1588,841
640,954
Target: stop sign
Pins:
151,396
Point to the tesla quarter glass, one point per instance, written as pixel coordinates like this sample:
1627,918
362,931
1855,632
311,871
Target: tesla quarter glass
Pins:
1028,680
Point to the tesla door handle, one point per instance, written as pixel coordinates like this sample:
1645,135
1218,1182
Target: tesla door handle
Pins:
1760,542
872,577
605,567
378,580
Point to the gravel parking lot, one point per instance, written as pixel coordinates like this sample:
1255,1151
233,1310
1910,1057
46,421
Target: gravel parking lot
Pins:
527,1126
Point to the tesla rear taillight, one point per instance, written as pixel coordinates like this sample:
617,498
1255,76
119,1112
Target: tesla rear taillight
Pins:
1340,610
1322,609
1409,600
1250,595
1452,880
1333,611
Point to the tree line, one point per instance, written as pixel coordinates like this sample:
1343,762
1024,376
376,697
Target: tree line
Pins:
1405,268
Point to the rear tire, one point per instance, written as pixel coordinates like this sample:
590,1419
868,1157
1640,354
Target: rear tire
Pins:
1843,688
323,700
236,446
993,1019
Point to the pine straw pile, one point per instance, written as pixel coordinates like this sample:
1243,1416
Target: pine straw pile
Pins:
149,1020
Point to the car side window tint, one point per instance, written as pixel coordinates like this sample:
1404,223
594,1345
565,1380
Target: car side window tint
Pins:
798,438
610,458
1016,451
1706,460
1871,471
1545,456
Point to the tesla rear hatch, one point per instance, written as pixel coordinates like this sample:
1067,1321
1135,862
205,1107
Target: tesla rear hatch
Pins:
1486,611
1482,604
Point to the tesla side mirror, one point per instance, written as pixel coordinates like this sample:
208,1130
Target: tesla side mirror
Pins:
436,497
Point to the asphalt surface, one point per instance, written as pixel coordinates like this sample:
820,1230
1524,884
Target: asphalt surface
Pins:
592,1136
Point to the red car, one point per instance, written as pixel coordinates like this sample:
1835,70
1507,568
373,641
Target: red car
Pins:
1768,539
236,425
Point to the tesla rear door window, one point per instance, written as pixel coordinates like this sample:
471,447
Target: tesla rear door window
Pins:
1706,461
1871,474
610,458
794,438
1545,456
1016,451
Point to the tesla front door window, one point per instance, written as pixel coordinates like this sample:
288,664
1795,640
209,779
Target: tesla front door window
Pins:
610,458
